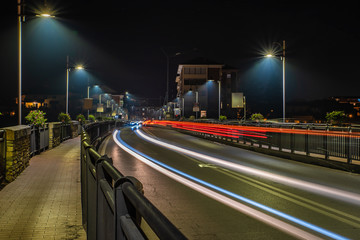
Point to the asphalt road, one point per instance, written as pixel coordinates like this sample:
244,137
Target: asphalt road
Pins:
255,197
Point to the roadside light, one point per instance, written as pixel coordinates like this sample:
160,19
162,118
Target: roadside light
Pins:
45,15
269,55
79,67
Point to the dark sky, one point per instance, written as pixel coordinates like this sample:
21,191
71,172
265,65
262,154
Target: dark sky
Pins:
120,43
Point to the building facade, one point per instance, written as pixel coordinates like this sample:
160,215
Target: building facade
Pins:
200,83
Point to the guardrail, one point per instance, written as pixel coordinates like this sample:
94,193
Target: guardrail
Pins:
114,205
321,140
2,154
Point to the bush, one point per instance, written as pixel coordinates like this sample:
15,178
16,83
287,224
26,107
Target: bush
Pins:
81,118
222,118
257,117
64,118
192,117
91,118
335,116
36,118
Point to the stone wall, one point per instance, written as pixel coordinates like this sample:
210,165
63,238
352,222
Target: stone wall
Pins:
17,150
74,129
54,134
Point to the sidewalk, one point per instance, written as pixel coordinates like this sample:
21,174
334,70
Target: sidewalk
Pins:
44,201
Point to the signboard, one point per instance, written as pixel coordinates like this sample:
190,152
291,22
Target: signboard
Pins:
196,107
237,100
203,114
100,107
177,111
88,103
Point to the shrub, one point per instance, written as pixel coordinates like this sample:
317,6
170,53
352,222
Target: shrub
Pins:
222,118
37,118
192,117
257,117
64,118
335,116
91,118
81,118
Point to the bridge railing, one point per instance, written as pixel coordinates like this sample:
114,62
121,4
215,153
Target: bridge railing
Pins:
324,141
114,205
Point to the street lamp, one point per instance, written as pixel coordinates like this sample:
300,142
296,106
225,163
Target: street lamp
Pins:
68,68
283,63
21,19
167,72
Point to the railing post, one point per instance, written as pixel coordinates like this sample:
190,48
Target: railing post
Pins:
307,141
292,140
325,142
279,141
348,146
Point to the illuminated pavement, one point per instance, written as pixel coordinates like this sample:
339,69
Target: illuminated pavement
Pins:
292,198
44,201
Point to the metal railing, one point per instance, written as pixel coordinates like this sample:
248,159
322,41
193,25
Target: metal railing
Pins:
2,155
65,131
39,139
323,140
113,205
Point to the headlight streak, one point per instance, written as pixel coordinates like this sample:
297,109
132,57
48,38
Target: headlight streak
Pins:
316,188
184,179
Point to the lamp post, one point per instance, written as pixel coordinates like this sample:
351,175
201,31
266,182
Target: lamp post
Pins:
197,102
219,97
283,70
21,19
167,73
68,69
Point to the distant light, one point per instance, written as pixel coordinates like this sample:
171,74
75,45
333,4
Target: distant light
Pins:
269,55
45,15
79,67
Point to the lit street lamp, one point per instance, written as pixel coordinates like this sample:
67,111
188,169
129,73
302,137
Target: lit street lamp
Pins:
283,63
21,19
67,81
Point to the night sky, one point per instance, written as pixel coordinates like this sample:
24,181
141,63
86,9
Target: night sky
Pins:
120,44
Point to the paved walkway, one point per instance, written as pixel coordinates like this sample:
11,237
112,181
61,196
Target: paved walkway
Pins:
44,201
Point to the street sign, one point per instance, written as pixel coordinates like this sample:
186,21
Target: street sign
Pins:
196,107
88,103
237,100
100,108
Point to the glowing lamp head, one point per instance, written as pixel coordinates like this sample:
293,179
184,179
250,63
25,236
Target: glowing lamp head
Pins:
79,67
269,55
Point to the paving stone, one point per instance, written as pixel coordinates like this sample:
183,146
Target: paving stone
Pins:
44,200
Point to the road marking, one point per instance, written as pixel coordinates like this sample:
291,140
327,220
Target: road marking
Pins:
313,187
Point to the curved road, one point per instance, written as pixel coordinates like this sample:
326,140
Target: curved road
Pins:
231,193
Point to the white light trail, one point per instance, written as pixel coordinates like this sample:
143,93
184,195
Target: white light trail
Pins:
283,226
313,187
